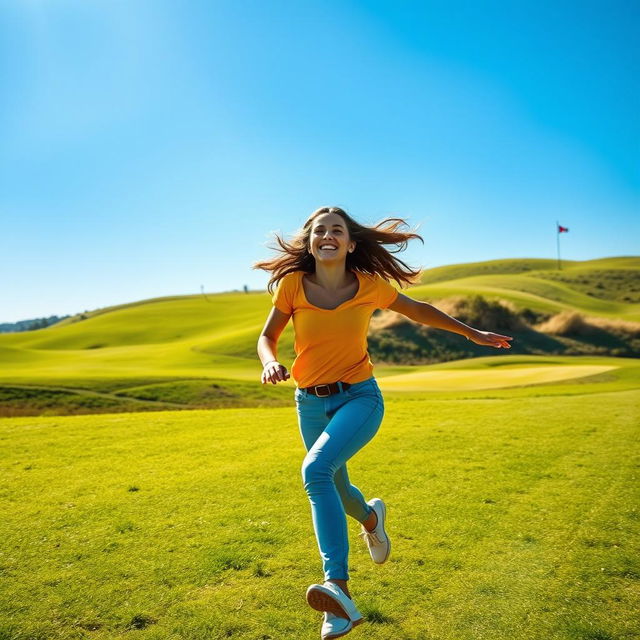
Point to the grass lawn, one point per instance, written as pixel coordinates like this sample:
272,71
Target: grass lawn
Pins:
512,517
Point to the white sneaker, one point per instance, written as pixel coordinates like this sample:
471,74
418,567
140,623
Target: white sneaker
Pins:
330,597
377,540
334,627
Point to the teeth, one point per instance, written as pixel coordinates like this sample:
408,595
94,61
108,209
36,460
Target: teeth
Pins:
326,246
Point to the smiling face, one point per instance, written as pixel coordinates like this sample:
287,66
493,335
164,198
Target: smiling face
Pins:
329,239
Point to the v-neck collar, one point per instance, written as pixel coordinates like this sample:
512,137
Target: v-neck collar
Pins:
304,295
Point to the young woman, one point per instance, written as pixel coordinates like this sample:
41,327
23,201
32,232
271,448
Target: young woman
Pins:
331,277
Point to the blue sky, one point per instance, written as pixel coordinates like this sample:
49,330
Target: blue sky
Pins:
149,148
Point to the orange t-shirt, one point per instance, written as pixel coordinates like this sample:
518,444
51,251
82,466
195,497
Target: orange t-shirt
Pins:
331,344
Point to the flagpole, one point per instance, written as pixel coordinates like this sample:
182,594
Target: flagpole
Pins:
558,243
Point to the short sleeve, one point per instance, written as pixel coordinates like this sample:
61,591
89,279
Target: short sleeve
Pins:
386,293
283,296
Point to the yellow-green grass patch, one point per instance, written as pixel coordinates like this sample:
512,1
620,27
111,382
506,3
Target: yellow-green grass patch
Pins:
603,374
462,380
510,518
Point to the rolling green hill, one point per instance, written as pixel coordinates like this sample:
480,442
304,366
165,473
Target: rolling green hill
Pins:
199,351
608,287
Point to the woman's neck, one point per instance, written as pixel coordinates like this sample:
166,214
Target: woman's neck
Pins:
332,277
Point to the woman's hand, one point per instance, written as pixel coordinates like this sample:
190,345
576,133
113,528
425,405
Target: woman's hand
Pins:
274,372
488,339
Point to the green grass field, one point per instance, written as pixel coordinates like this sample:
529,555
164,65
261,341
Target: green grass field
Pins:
511,480
514,514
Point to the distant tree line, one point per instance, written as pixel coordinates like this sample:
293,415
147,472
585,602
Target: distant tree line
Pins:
29,325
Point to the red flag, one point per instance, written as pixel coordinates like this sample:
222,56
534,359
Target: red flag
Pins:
562,229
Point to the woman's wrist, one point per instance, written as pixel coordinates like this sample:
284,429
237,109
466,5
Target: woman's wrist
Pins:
269,362
470,331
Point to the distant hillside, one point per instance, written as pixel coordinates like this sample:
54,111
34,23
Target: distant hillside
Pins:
201,350
607,287
585,308
490,267
521,265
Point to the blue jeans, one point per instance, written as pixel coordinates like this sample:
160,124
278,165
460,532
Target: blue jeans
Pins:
333,430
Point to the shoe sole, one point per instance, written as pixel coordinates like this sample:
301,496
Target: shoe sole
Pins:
338,635
320,601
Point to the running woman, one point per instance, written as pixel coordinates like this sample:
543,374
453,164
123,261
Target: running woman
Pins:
330,278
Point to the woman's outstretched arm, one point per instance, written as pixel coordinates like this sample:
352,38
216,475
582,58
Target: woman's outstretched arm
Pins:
272,370
427,314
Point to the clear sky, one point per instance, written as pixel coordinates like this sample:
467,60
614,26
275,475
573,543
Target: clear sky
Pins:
149,148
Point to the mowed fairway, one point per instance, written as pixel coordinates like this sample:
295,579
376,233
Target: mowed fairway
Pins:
512,517
502,378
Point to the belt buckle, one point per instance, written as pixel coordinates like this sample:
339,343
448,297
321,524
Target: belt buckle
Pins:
328,391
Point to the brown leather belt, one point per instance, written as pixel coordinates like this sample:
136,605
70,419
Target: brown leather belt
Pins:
325,390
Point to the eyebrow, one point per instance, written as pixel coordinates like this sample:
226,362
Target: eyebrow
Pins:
335,224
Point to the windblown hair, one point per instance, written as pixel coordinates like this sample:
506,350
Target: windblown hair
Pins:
369,256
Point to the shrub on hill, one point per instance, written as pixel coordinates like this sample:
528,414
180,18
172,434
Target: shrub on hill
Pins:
393,338
596,335
477,311
566,323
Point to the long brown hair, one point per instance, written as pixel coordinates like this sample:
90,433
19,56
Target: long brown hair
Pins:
368,257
